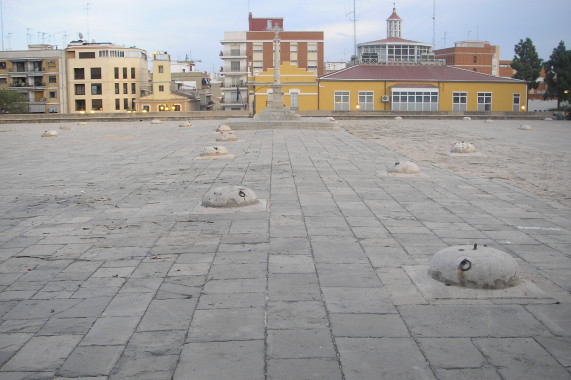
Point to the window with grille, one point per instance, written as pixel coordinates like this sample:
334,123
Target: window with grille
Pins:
96,89
79,89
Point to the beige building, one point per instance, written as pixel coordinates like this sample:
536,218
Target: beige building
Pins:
162,98
38,73
104,77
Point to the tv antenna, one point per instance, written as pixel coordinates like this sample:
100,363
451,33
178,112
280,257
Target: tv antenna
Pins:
354,19
87,14
434,24
444,38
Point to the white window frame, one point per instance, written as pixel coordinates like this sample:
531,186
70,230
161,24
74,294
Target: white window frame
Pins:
515,107
366,100
485,101
414,99
462,105
294,99
341,100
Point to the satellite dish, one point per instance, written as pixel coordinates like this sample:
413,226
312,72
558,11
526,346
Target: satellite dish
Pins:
81,36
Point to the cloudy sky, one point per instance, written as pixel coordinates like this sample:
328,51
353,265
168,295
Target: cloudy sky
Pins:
194,28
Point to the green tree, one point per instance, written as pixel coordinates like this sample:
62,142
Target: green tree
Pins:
13,102
527,63
558,75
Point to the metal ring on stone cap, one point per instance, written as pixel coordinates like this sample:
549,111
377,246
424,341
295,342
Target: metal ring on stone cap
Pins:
465,265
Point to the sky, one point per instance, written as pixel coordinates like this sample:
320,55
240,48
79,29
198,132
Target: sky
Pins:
193,29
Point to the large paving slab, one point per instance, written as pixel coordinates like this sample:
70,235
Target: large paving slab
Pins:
109,270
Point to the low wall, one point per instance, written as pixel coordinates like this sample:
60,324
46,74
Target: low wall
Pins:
222,115
73,117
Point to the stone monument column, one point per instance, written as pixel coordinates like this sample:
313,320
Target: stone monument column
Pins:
277,93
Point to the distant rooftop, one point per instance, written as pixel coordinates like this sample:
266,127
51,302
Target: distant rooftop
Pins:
392,40
407,73
263,24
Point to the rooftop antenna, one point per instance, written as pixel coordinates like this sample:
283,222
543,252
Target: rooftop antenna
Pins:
354,28
444,38
434,24
28,35
9,36
2,22
87,13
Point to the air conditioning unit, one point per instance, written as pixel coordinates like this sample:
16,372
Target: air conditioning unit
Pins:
385,98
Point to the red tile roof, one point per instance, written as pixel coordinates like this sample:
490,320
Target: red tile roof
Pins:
409,73
394,40
394,16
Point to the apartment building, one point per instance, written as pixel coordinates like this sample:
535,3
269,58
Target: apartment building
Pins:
478,56
104,77
38,73
247,52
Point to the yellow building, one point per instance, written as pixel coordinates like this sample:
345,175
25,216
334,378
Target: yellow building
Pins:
298,85
39,74
418,88
104,77
162,99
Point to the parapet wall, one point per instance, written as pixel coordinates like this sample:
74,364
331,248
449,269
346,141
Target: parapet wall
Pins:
222,115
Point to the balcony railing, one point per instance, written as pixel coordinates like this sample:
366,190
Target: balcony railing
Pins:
34,70
26,85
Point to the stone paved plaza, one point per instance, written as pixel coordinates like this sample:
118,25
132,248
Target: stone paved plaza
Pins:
110,269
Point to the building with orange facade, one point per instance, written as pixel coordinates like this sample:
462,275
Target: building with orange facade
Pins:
477,56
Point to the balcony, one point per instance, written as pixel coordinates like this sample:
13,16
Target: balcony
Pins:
27,71
24,85
233,56
37,107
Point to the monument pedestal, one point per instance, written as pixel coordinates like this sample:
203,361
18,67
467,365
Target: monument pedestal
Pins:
275,113
278,116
